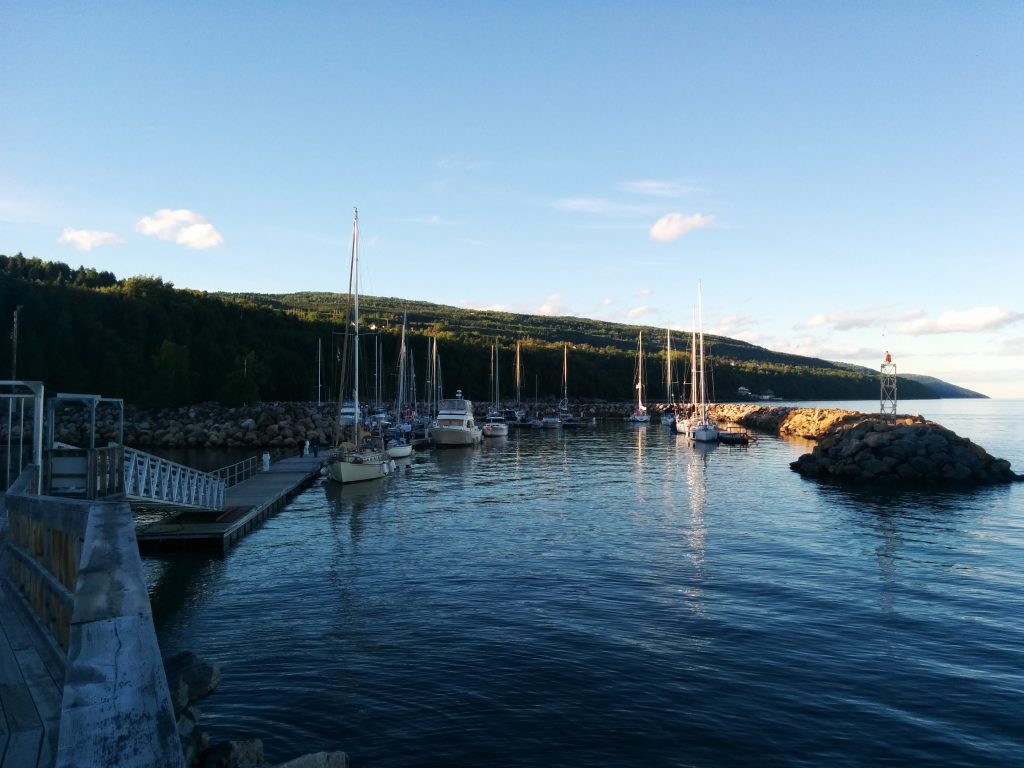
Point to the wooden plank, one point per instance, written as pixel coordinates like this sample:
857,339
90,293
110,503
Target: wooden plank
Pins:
26,729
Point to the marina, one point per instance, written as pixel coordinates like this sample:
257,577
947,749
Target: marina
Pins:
620,596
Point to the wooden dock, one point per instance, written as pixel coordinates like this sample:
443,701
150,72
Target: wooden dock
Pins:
246,506
31,686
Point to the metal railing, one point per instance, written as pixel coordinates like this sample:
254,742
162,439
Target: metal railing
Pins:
150,478
233,474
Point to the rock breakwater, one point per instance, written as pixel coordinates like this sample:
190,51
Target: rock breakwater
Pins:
918,452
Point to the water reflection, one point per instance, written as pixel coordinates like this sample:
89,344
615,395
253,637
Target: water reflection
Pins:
696,533
354,499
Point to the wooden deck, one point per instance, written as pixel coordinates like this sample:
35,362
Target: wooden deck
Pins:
31,685
246,506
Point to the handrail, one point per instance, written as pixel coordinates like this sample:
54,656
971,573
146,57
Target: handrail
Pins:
240,471
150,478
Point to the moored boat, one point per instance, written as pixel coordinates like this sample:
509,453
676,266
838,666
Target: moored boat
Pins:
455,425
359,458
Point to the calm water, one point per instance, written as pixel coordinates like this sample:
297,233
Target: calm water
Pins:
614,597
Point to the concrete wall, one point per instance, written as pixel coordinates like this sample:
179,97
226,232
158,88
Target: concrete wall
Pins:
116,708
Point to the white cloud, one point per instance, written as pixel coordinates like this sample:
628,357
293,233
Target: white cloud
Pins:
87,239
636,312
600,206
551,306
432,220
181,226
656,188
644,292
845,320
607,302
961,321
732,325
672,226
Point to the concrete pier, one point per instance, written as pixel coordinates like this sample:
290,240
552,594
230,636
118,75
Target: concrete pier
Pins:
247,505
83,682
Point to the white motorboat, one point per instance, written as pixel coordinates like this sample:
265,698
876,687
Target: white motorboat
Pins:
455,426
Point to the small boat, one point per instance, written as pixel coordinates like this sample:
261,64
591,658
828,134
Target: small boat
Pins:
455,426
495,425
639,414
700,427
565,415
361,457
669,415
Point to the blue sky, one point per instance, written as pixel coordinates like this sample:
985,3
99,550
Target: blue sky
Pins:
844,178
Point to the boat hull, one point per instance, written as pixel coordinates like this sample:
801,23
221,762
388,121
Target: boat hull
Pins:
495,430
400,451
456,437
357,469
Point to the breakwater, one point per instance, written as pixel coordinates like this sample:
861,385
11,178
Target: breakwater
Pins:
860,447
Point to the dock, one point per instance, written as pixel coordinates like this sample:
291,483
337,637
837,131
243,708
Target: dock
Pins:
246,506
31,686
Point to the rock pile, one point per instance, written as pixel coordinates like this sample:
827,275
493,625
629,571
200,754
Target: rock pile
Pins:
912,452
810,423
189,679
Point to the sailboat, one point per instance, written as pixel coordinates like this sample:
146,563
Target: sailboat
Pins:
400,445
566,416
516,415
639,414
361,457
495,425
700,427
669,416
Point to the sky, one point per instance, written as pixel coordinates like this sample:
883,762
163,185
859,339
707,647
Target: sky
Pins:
843,179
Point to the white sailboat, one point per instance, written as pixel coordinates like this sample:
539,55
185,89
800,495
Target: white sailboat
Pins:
669,416
700,427
516,415
360,458
495,425
400,446
639,414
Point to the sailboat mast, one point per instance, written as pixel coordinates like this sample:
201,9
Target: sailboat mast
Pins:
565,373
640,372
703,381
668,364
355,333
693,363
519,376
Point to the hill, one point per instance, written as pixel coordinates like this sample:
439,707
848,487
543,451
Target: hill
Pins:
147,342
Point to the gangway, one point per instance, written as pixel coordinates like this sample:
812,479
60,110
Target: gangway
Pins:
118,471
149,478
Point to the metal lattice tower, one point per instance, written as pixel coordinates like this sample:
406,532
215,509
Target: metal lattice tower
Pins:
887,402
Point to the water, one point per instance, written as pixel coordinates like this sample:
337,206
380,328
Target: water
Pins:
616,597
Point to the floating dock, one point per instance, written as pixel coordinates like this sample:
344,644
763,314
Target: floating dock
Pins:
246,506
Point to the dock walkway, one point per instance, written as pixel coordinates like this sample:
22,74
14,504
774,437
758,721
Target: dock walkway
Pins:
31,687
246,506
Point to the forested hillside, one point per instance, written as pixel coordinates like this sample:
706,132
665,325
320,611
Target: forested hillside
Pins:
141,339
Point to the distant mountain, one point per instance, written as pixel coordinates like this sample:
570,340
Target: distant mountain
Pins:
147,342
941,388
